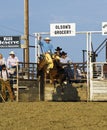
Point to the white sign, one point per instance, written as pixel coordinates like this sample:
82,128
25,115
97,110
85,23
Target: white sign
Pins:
62,29
104,28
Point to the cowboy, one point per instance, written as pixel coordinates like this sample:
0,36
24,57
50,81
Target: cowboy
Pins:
46,46
47,51
64,58
57,54
5,83
65,62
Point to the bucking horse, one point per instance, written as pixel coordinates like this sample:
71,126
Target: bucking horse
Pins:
56,74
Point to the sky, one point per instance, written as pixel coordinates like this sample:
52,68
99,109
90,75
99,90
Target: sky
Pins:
88,15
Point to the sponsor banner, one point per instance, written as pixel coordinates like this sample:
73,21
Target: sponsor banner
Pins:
10,41
62,29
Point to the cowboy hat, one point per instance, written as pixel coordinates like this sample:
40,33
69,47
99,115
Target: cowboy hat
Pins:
58,49
63,53
47,39
12,53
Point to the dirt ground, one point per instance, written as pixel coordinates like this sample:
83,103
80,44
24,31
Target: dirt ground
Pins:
53,116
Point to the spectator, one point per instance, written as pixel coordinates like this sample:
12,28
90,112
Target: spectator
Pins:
12,62
77,72
5,83
2,61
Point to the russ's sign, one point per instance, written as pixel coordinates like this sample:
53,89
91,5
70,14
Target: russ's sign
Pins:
10,41
104,28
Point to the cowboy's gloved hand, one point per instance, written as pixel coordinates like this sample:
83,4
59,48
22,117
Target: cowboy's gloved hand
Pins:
53,56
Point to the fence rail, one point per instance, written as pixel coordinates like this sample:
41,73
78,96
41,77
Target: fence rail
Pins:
27,70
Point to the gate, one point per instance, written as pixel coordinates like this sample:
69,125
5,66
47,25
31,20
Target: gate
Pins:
98,81
97,71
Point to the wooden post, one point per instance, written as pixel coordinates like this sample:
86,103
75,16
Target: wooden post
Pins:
26,30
